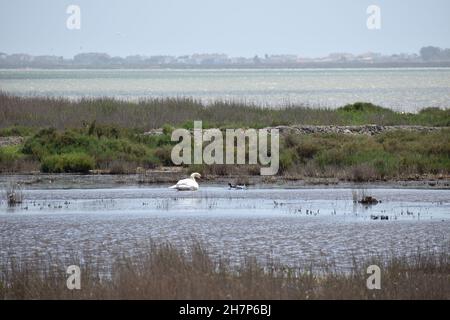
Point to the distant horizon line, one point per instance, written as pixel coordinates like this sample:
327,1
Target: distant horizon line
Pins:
206,53
212,53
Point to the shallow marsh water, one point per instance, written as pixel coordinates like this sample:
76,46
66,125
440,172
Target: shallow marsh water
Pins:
295,226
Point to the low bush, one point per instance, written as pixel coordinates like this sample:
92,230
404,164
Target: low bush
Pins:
68,163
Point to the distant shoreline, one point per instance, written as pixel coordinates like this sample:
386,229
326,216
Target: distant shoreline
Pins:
337,65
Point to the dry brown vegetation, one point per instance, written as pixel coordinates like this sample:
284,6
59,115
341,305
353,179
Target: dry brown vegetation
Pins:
168,273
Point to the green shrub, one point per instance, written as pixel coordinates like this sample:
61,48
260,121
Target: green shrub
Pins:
106,148
69,163
331,157
16,131
164,155
6,159
436,116
168,129
307,149
287,159
364,107
368,113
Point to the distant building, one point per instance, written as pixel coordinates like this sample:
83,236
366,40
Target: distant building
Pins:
280,59
160,60
48,59
20,57
135,59
183,59
210,58
368,57
91,58
339,57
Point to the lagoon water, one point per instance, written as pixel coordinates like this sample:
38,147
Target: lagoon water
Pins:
401,89
291,225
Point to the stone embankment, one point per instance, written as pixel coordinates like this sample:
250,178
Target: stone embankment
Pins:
10,141
363,129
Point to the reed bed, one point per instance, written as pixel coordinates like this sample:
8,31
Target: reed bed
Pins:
166,272
147,114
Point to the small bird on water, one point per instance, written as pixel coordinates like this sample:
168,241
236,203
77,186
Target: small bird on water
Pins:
236,186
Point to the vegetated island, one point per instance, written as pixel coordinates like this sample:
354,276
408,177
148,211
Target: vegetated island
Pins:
360,142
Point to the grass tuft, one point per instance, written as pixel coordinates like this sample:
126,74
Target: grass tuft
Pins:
13,194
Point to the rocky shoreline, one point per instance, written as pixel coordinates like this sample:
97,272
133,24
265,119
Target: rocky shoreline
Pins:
369,129
362,129
11,141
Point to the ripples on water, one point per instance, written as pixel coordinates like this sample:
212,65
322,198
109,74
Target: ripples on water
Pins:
402,89
294,226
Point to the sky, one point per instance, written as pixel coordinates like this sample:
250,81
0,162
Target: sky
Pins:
235,27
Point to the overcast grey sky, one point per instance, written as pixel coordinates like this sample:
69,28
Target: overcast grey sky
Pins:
235,27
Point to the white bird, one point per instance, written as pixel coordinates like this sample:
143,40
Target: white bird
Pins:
188,184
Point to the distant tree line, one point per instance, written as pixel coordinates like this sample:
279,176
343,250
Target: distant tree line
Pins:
428,56
434,54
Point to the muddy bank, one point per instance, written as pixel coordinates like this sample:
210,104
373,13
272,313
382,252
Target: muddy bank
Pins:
167,177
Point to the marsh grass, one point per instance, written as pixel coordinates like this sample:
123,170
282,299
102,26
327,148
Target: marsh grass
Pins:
60,113
166,272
